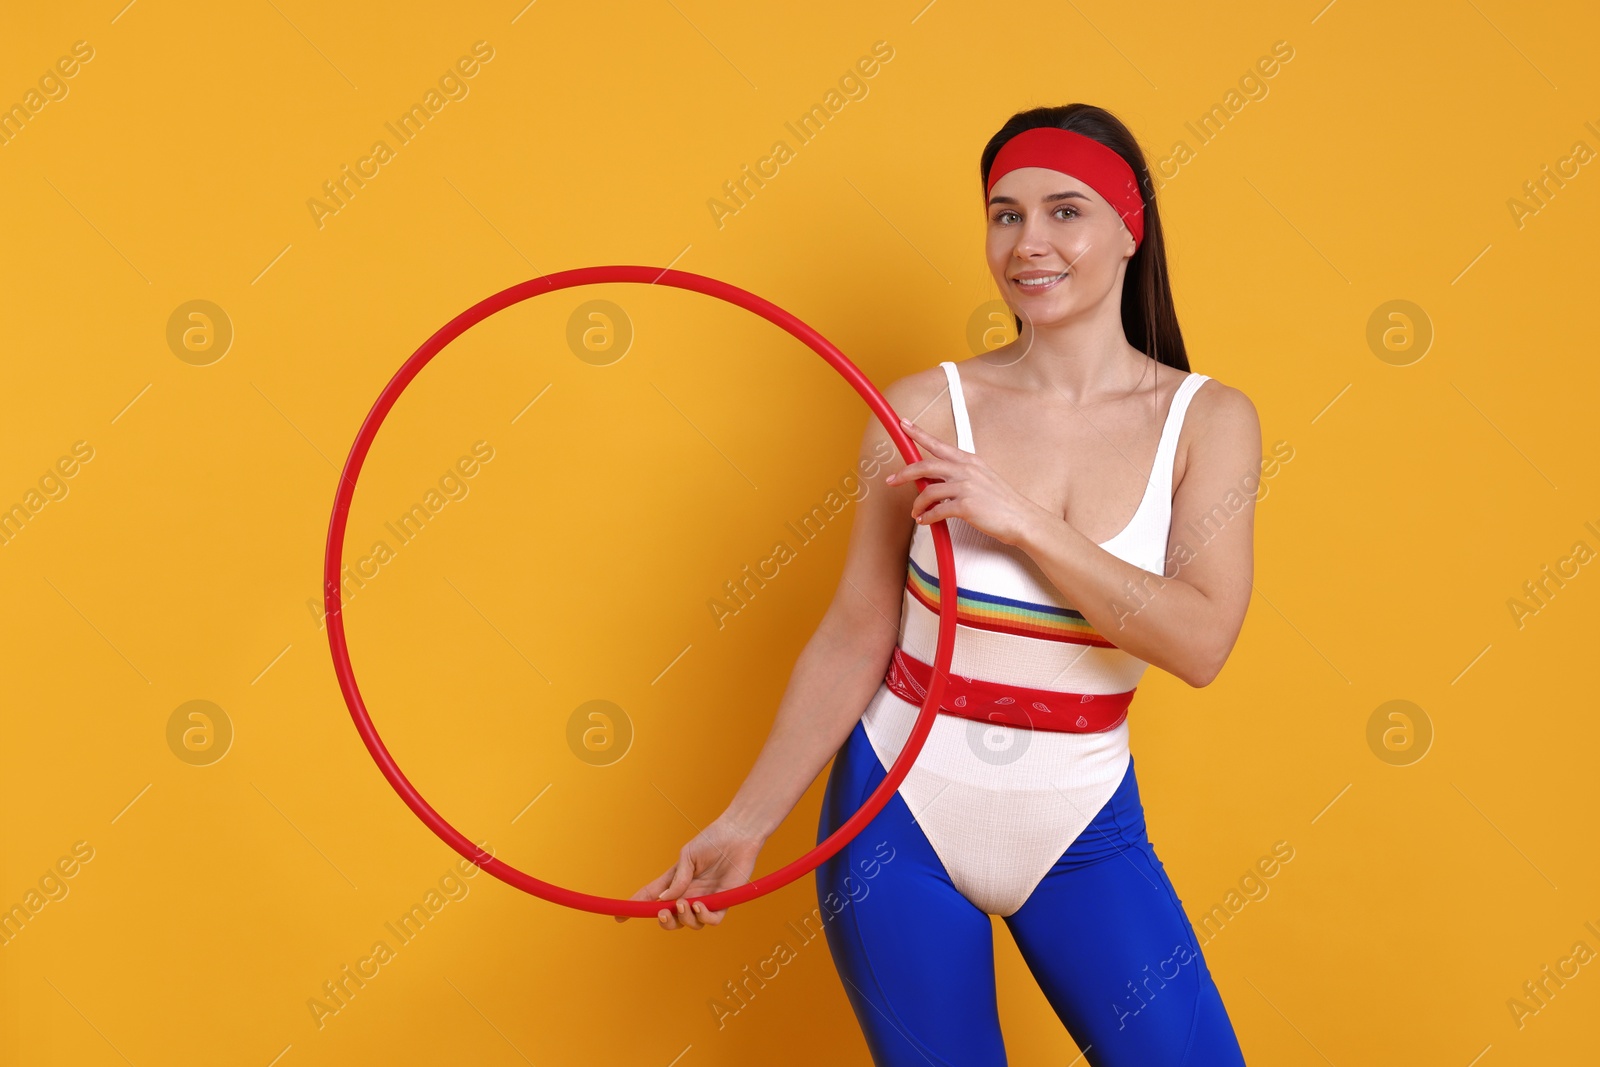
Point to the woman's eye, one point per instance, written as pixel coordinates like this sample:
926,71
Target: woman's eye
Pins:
1006,216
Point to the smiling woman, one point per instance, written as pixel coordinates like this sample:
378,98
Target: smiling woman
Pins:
1031,811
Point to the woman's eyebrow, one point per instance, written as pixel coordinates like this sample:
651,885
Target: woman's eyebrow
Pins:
1068,195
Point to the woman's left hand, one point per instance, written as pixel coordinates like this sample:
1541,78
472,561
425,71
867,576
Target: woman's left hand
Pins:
964,486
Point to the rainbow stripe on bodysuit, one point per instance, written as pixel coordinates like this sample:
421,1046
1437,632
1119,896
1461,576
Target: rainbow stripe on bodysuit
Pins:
986,611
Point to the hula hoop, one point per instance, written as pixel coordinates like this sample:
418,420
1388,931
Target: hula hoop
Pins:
341,653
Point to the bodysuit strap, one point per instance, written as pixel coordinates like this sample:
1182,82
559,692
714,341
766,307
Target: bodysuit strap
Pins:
958,404
1167,445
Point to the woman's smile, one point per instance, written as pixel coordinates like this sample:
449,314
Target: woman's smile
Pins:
1035,281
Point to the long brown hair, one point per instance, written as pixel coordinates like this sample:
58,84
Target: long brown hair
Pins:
1149,319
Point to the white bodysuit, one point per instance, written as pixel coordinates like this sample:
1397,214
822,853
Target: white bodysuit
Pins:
1000,804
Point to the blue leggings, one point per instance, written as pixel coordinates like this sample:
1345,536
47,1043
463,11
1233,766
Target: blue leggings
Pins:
1103,933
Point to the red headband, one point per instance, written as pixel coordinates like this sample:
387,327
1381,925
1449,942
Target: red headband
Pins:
1084,158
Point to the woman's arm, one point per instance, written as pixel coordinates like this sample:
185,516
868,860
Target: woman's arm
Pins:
1187,623
845,660
833,679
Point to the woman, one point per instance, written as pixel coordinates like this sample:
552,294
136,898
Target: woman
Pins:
1074,530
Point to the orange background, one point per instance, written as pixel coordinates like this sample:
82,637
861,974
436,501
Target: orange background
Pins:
227,880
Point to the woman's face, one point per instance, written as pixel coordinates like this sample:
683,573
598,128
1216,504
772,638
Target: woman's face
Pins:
1047,225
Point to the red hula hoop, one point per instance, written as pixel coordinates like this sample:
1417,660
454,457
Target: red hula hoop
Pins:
341,654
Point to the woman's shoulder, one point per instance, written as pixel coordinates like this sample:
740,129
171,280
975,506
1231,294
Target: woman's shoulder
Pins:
914,394
1221,427
1216,402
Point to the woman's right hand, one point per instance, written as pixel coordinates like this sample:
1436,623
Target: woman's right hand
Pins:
719,857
